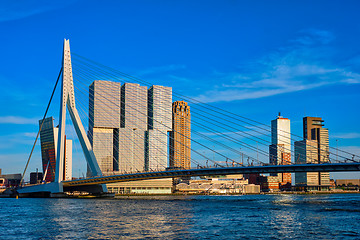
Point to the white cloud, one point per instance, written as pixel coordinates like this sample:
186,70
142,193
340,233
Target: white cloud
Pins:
346,135
17,140
14,10
351,149
294,68
30,134
18,120
314,36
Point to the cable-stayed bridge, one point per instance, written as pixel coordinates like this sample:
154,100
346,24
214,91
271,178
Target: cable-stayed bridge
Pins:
326,167
141,134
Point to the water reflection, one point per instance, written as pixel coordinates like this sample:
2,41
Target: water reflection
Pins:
132,219
205,217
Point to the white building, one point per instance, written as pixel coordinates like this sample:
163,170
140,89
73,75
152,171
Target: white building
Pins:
133,127
280,139
159,124
104,122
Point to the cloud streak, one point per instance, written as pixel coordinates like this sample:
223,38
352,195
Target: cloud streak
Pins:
346,135
18,120
19,9
305,64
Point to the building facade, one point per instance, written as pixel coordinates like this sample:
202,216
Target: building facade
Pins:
159,125
133,127
129,125
104,123
280,149
49,141
306,153
152,186
180,136
313,149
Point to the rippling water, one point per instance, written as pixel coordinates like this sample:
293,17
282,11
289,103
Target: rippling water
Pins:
191,217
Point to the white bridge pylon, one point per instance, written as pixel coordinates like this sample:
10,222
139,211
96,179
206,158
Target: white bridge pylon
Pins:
68,101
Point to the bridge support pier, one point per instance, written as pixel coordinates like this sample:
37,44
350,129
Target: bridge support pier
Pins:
53,189
56,190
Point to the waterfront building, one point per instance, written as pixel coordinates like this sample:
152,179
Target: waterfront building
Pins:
225,185
152,186
11,180
280,150
133,127
348,182
159,124
104,123
129,125
36,177
306,153
313,149
104,104
48,141
180,136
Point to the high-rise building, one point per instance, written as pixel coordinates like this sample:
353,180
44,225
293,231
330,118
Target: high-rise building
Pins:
306,153
133,127
280,140
280,148
159,124
310,123
128,126
313,149
180,136
104,123
104,104
48,140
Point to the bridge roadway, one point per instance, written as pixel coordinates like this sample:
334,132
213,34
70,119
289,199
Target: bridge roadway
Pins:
326,167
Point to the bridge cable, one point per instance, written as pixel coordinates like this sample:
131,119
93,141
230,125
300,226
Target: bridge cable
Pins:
250,138
129,76
42,122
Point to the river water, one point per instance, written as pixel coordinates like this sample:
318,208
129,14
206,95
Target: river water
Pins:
334,216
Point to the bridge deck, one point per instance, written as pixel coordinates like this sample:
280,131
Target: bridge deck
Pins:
326,167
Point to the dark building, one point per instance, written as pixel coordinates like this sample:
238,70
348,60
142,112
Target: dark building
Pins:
48,135
36,177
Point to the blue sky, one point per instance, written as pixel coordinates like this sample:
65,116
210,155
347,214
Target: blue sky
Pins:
254,58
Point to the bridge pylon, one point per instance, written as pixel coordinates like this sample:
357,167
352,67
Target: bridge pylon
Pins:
68,102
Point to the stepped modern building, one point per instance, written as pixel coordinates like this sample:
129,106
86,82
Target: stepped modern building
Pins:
48,140
180,137
129,125
159,124
313,149
133,127
104,123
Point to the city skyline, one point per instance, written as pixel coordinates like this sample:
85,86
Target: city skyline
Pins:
338,91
